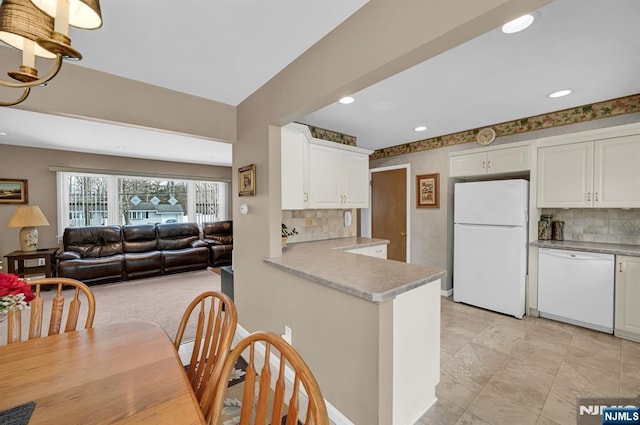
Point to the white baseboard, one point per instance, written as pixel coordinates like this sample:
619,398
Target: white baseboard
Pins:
335,416
446,293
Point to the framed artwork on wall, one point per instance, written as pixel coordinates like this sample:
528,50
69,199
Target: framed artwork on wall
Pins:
428,190
247,180
14,191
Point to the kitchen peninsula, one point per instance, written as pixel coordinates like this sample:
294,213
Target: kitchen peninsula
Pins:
382,321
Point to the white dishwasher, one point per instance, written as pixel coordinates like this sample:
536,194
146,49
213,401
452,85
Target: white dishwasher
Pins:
576,287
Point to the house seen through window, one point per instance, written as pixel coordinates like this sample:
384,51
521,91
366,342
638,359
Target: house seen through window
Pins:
98,200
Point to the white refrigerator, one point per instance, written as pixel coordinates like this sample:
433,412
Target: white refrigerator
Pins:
490,245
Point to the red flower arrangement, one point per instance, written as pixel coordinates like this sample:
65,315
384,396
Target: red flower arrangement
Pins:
15,294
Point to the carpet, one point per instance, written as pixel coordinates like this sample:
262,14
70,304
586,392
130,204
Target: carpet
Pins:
161,300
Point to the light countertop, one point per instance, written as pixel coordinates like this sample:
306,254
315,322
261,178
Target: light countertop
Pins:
374,279
602,248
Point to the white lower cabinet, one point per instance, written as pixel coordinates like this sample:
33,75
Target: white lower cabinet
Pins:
627,310
378,251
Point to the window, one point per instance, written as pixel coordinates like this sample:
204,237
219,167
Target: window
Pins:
99,200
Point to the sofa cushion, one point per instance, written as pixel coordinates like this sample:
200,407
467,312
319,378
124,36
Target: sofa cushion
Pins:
94,242
177,235
142,264
139,238
221,239
217,228
90,270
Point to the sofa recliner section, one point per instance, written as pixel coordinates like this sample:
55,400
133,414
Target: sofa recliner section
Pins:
219,236
103,254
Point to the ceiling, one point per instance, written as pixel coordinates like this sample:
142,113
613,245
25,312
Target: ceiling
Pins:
588,46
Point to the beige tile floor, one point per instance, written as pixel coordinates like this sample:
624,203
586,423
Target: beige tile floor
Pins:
498,370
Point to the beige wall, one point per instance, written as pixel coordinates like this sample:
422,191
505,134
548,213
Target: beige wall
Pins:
33,164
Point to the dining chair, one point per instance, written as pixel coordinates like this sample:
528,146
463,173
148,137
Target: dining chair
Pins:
38,304
215,328
267,396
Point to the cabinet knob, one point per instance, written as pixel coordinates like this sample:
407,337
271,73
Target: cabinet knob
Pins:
596,196
484,164
588,196
403,234
306,197
620,267
489,164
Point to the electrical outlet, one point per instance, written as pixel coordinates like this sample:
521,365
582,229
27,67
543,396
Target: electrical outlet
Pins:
287,334
41,261
309,222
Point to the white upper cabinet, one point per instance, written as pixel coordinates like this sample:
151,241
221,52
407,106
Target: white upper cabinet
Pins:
494,161
295,174
601,174
616,172
326,174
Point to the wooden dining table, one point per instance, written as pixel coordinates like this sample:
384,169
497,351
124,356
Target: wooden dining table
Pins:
124,373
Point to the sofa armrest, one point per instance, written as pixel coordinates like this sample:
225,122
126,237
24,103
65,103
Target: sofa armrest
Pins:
199,243
69,255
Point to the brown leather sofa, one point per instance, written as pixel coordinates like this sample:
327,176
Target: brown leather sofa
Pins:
104,254
219,236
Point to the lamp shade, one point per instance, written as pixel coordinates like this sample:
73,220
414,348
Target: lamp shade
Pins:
28,216
85,14
21,21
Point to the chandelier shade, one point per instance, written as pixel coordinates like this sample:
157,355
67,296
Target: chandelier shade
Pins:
21,23
85,14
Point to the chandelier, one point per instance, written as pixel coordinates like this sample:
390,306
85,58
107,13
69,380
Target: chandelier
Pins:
41,28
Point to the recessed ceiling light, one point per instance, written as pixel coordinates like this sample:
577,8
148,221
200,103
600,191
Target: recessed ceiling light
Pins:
2,133
560,93
420,128
518,24
347,100
121,148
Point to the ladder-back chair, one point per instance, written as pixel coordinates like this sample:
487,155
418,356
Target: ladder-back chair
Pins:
215,328
268,397
38,304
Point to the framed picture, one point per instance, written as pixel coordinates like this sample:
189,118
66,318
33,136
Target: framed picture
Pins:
428,191
13,191
247,180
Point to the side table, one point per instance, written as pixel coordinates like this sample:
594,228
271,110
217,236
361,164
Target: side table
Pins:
16,262
226,280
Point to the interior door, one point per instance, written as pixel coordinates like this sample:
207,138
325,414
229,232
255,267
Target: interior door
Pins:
389,211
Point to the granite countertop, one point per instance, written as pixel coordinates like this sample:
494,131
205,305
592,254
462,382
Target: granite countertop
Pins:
600,247
374,279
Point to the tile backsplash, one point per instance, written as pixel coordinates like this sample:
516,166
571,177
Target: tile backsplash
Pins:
609,225
315,225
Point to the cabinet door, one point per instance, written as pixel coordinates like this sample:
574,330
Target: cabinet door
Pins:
508,160
354,178
617,172
294,170
472,164
324,177
627,315
565,176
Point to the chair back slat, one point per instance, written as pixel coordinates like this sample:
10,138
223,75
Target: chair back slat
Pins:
263,396
35,321
74,313
14,320
216,320
249,386
278,397
39,303
57,308
303,383
292,413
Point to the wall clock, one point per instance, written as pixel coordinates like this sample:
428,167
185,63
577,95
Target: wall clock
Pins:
486,136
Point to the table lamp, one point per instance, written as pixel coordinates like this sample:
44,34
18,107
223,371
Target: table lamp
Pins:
27,217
